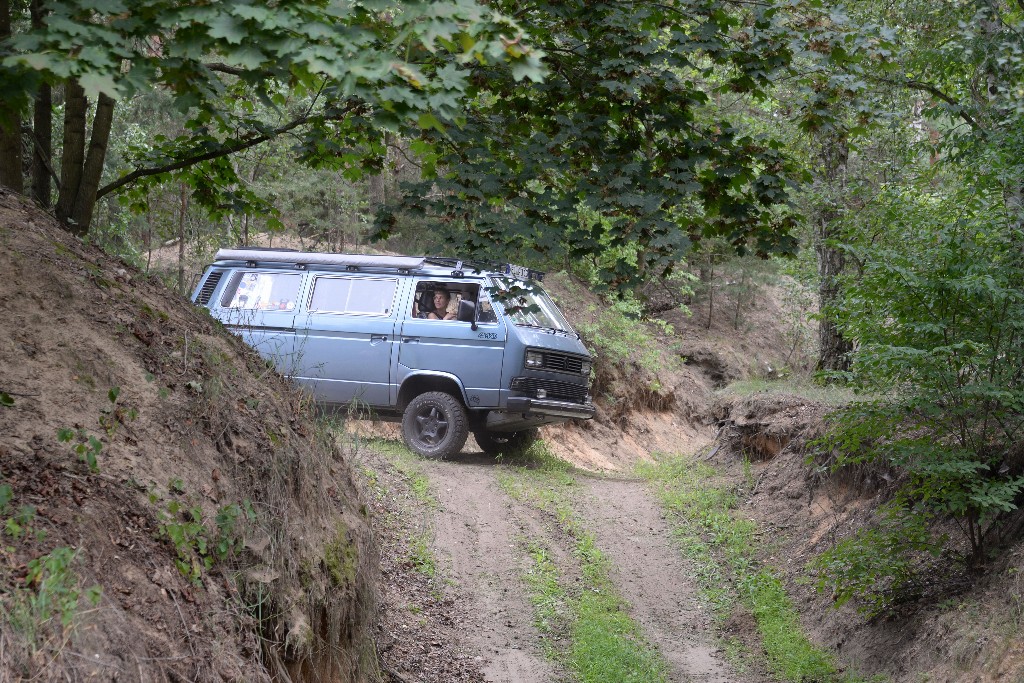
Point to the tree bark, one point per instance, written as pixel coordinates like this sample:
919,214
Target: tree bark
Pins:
834,349
42,146
10,123
92,170
42,129
73,158
181,239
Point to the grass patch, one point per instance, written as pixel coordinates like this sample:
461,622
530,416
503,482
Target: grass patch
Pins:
721,547
802,387
596,638
417,534
410,466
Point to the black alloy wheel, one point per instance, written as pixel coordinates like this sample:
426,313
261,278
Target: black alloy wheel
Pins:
435,425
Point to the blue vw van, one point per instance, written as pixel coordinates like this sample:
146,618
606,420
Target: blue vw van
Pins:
415,339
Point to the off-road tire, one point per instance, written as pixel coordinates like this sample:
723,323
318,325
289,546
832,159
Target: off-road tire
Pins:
435,425
507,443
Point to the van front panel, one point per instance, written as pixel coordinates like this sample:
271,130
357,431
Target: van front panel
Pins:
453,347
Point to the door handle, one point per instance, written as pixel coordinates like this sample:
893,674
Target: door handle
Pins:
374,338
407,340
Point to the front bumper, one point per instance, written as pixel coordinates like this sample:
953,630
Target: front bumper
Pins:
542,408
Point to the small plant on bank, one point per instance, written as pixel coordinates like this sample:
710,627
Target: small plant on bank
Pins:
621,334
50,597
879,566
86,446
197,545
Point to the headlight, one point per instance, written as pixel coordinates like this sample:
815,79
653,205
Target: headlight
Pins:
534,359
585,368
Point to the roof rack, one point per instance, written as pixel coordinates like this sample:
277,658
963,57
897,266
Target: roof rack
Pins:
301,259
518,272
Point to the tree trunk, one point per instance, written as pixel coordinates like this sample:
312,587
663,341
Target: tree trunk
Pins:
42,129
92,170
42,146
73,158
834,351
181,240
10,123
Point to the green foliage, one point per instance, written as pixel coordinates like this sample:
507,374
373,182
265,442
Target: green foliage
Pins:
880,567
51,595
198,545
86,446
19,525
937,311
620,334
6,496
332,76
622,156
5,400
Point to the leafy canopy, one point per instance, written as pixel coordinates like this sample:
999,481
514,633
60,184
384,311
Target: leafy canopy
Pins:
629,143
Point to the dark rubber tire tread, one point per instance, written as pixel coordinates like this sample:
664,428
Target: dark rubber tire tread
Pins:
435,425
508,443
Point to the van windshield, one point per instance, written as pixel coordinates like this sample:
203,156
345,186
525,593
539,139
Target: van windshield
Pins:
529,305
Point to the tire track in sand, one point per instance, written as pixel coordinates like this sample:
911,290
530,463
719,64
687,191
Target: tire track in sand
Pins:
653,577
475,533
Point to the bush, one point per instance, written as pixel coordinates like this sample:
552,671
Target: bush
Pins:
879,567
938,314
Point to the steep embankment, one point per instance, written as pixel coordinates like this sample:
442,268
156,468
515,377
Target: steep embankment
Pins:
167,510
967,631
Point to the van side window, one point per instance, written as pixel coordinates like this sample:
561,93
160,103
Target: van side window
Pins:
446,295
262,291
486,313
354,296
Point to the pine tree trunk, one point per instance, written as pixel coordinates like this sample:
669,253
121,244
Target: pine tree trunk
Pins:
10,123
73,158
92,170
42,129
834,349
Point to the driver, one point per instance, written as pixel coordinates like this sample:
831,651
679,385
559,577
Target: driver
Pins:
440,310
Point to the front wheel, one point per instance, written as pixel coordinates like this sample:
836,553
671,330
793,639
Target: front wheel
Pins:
435,425
508,443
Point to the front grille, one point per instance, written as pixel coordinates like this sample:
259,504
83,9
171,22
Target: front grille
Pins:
211,284
562,362
560,391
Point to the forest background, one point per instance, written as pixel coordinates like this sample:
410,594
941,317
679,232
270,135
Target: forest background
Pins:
871,151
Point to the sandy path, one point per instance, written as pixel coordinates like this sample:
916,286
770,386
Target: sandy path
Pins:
652,576
476,531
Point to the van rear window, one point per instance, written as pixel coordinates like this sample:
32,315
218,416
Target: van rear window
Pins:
262,291
355,296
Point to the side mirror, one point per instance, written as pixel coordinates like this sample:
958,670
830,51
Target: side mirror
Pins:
467,312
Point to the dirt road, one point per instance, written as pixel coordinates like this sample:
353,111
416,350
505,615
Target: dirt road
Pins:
480,534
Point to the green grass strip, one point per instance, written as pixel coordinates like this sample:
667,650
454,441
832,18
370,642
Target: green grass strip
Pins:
708,530
604,643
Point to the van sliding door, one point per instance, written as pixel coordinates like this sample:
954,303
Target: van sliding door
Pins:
345,339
